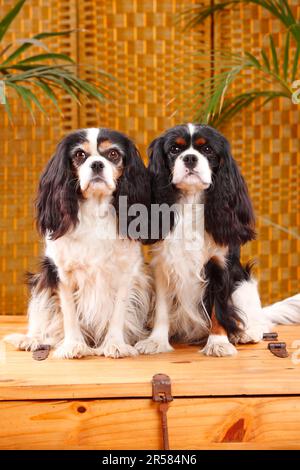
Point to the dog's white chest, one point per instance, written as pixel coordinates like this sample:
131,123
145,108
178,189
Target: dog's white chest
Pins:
185,251
93,247
182,258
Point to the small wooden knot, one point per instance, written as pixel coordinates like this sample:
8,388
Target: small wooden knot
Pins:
236,432
81,409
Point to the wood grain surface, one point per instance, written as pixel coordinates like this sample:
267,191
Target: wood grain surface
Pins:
194,423
254,371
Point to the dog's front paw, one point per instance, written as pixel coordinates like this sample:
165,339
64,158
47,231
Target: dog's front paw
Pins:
23,342
116,350
252,334
153,345
219,346
72,349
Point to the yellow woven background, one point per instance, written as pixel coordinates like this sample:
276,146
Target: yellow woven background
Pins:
266,144
139,43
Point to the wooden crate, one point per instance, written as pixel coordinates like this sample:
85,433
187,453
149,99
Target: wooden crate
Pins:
251,401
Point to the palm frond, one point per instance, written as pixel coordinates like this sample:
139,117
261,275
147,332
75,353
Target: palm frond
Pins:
296,62
28,98
45,73
192,17
9,18
274,54
233,105
215,99
49,56
285,69
36,40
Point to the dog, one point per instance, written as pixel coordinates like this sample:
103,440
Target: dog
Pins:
203,292
92,294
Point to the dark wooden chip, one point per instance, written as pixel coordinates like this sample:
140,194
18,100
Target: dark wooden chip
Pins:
41,353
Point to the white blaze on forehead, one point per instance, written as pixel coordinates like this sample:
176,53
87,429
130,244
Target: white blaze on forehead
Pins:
92,136
191,128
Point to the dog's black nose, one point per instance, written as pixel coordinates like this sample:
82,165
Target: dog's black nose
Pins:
97,167
190,161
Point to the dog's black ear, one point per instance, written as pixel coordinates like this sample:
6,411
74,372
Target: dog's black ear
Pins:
229,216
163,192
134,184
162,189
57,199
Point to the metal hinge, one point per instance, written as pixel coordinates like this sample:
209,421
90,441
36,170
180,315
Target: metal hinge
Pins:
278,349
162,394
270,336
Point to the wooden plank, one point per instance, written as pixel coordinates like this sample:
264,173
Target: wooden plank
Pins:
254,371
235,423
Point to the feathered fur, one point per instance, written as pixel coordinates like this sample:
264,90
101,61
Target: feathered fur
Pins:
92,294
192,165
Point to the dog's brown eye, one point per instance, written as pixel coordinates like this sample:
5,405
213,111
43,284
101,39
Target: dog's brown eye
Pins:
80,154
206,149
175,149
113,154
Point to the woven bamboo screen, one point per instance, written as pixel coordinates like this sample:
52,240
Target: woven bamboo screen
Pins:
266,144
139,43
24,149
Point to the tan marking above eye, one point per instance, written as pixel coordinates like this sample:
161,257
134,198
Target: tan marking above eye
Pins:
86,147
200,141
104,145
180,141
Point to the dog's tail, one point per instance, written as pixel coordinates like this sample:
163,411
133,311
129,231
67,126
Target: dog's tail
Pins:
285,312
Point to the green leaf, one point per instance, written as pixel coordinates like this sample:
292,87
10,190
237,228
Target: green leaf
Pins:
35,100
5,49
48,92
274,55
52,56
63,85
286,56
20,50
296,62
28,97
265,59
278,8
8,19
253,60
24,96
295,30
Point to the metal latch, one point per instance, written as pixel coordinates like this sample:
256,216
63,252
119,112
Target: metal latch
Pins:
161,393
270,336
278,349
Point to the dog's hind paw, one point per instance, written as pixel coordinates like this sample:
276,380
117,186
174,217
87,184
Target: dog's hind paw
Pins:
252,334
